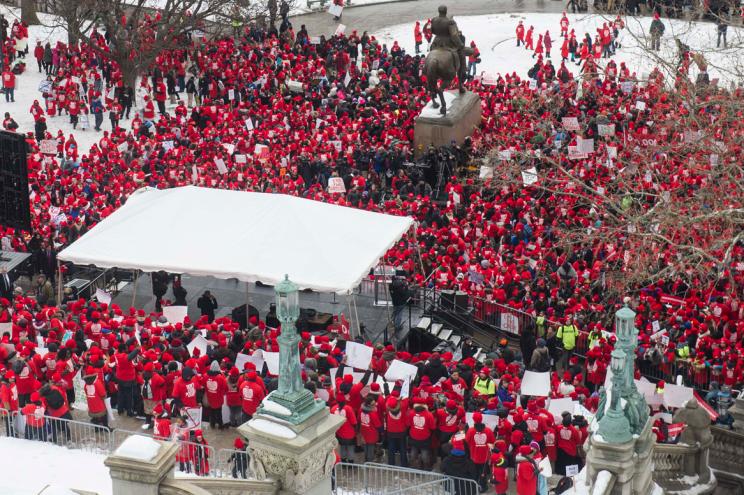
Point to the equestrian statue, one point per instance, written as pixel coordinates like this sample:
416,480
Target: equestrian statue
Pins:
446,58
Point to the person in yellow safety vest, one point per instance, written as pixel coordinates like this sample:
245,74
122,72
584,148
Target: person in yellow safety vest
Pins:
567,334
683,350
540,325
594,337
483,384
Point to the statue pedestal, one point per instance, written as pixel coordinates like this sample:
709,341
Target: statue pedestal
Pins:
737,411
142,477
299,456
432,128
629,462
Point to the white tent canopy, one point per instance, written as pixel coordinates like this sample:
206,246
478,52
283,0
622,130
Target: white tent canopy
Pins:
244,235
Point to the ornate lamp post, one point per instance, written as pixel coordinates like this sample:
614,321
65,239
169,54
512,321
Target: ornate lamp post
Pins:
294,398
614,427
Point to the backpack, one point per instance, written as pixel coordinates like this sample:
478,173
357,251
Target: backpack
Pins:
544,364
563,485
55,400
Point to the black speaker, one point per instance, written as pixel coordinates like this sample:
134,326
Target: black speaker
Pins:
447,299
15,210
461,301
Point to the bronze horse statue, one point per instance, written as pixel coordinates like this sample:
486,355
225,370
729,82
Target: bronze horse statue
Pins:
441,67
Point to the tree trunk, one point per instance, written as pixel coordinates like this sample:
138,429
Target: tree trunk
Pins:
28,12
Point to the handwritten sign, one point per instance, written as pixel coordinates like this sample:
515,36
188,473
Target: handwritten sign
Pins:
336,185
48,146
570,123
607,130
358,355
529,176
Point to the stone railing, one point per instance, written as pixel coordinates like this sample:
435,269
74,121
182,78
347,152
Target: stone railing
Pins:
727,451
217,486
672,462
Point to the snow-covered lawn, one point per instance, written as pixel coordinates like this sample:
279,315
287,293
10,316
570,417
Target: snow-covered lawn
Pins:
28,467
496,40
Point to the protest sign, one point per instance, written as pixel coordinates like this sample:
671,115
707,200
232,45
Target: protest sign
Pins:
510,323
607,130
272,362
295,86
48,146
102,296
585,145
315,40
558,406
175,314
358,355
249,124
626,86
200,343
221,167
398,370
336,185
575,154
489,79
340,30
347,79
261,151
240,159
572,470
193,417
640,105
490,420
486,172
570,123
529,176
536,384
335,10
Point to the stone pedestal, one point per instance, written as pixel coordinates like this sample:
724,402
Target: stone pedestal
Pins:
299,456
737,411
432,128
129,476
643,466
617,458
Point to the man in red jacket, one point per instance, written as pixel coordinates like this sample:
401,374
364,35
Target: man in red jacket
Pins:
346,434
55,403
8,85
126,377
215,388
95,393
369,426
448,421
395,428
421,424
33,413
252,393
480,440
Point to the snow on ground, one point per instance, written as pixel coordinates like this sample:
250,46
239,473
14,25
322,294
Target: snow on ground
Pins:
28,467
27,86
301,7
495,37
138,447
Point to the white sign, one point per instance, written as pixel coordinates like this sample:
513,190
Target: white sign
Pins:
340,30
358,355
585,145
606,130
536,384
529,176
490,420
570,123
249,124
175,314
572,470
256,358
48,146
221,167
640,105
575,154
193,417
315,40
510,323
294,86
557,407
336,185
336,10
102,296
398,370
272,362
200,343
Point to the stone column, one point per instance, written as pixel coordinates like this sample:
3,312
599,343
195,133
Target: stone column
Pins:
130,476
617,458
301,457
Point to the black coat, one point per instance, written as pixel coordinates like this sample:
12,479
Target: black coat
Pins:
460,466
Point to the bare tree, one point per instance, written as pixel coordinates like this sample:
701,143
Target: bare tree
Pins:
657,188
28,12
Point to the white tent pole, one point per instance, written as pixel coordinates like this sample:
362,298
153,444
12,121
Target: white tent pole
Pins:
134,287
59,283
356,314
351,315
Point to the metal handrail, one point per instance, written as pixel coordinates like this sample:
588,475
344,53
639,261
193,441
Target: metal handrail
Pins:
69,433
383,479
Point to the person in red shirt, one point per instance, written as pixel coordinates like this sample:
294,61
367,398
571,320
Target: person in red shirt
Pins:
33,413
346,434
232,396
526,472
520,33
369,426
215,388
55,403
185,389
153,392
162,425
568,440
448,421
499,474
421,425
27,384
126,377
396,428
418,37
251,393
95,393
480,440
9,85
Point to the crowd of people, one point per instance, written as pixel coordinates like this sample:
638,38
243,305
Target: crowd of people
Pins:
282,112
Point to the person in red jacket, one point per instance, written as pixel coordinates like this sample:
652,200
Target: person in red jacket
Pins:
568,441
215,388
55,403
126,377
95,393
396,429
39,55
148,113
418,37
185,389
33,413
369,426
9,85
162,425
251,393
232,396
520,33
421,425
346,434
479,439
526,472
448,422
27,384
153,392
499,474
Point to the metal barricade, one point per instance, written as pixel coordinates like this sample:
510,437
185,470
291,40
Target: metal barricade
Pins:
62,432
197,458
382,479
232,464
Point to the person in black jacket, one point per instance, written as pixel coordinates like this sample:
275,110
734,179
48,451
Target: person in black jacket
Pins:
207,304
434,368
459,465
159,288
400,295
239,459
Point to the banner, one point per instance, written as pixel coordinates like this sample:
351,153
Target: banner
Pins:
48,146
336,185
